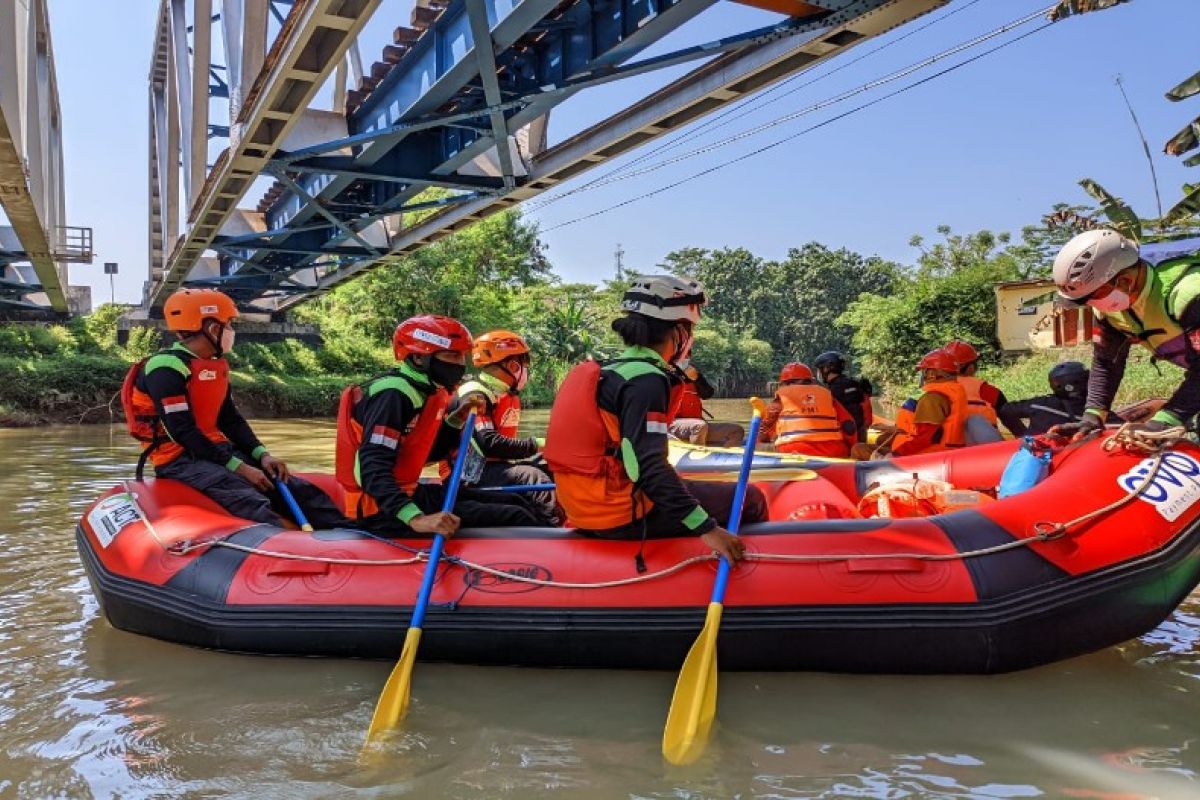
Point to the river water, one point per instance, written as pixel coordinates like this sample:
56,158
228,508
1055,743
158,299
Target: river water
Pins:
88,711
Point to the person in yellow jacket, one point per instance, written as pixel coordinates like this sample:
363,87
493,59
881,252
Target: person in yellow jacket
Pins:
804,417
937,421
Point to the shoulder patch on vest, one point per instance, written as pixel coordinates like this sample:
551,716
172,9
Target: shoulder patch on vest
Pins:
399,384
167,361
635,369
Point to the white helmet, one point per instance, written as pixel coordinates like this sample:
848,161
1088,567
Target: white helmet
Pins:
1090,260
665,297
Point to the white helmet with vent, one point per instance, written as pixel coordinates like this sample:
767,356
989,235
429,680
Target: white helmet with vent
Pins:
665,297
1090,260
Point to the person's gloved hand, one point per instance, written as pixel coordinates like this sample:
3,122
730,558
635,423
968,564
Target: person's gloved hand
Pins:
1089,424
472,402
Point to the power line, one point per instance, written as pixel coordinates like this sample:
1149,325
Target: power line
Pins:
739,110
790,137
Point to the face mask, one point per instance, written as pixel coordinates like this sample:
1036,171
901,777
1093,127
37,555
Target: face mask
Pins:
683,347
683,363
228,336
445,374
521,377
1114,301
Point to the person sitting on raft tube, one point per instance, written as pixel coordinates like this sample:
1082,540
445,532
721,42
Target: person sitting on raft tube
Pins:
804,417
935,421
983,399
178,404
502,358
854,394
389,428
1065,403
690,424
607,442
1154,304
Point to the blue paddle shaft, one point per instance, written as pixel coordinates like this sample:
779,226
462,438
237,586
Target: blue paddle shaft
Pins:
288,498
435,550
739,501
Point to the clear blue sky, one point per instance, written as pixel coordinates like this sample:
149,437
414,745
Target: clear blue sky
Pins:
991,145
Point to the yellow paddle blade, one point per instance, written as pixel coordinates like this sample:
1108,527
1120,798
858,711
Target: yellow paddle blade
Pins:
694,704
764,474
393,700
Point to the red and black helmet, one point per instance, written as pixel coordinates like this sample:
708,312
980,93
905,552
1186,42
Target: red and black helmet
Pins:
426,334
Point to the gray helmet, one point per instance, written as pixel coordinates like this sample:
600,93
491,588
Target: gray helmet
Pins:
1090,260
1069,379
665,297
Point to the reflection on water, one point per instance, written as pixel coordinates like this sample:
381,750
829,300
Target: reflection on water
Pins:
89,711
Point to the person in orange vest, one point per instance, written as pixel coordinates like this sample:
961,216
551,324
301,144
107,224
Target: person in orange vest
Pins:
178,404
607,441
983,399
502,358
937,421
690,424
804,417
389,428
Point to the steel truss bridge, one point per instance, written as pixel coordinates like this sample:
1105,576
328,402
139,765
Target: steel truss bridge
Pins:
458,102
35,244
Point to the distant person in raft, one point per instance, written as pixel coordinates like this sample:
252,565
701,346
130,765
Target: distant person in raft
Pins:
502,360
178,404
937,419
984,400
854,394
607,442
1065,403
1135,299
804,417
392,426
690,424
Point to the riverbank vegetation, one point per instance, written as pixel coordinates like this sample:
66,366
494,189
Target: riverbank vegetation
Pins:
497,274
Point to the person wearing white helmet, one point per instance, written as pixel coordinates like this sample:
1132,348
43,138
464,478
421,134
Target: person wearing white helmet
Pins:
607,440
1135,299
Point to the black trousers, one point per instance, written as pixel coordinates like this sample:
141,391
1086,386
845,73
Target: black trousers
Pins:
235,494
715,498
476,509
507,473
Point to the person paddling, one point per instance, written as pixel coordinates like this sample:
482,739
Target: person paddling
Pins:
178,404
607,441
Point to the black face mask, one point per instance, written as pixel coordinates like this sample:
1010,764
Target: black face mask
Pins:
445,374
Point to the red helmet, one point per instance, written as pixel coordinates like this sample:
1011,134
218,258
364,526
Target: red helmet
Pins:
795,371
962,352
430,333
940,360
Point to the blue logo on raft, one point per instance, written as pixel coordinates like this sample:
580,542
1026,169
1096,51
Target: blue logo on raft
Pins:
1174,489
512,582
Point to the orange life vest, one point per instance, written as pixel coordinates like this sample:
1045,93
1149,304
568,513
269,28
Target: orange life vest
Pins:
582,446
690,404
506,415
953,427
809,415
207,388
413,444
975,402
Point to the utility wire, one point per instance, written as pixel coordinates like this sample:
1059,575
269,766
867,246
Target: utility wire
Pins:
796,135
739,110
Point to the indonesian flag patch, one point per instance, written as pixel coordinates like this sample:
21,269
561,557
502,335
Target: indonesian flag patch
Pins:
172,405
388,437
656,423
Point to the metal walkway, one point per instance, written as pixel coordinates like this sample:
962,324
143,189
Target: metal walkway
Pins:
428,115
35,245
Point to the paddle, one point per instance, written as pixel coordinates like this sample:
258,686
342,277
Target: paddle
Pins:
393,700
694,704
518,488
288,498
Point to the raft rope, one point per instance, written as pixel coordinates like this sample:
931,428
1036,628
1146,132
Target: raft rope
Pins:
1137,441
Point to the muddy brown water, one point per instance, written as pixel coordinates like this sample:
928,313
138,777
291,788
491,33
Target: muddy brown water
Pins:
88,711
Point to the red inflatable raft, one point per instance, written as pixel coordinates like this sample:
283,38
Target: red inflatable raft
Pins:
989,588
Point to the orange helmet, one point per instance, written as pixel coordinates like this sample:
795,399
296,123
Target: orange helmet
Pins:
186,310
795,371
962,352
940,360
495,346
430,333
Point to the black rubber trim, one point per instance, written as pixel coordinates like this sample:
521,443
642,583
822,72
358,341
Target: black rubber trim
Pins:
212,572
997,574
